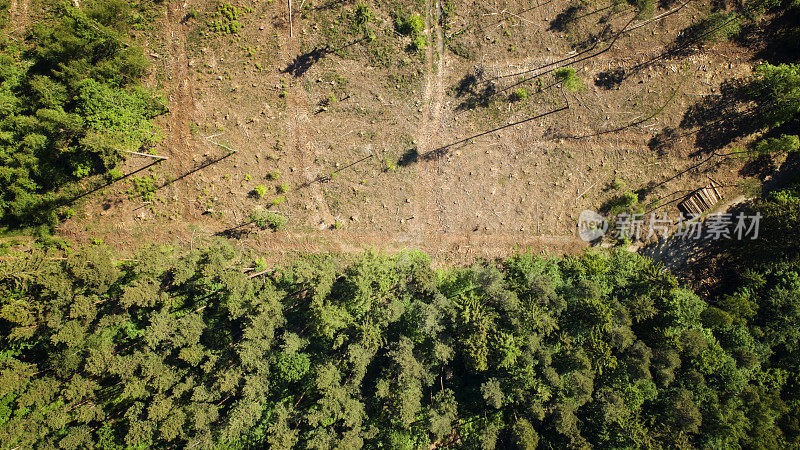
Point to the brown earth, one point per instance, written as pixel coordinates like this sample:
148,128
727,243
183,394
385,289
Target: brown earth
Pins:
484,180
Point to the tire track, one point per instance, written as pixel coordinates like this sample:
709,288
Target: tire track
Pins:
425,187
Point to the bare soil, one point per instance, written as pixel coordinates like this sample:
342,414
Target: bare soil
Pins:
454,172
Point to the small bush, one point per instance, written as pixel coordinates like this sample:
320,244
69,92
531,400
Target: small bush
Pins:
277,201
282,188
411,25
626,202
519,95
114,175
418,44
361,19
784,143
67,213
260,191
226,20
144,187
264,220
259,264
274,175
568,79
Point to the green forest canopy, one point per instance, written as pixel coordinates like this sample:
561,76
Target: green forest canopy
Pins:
605,349
69,104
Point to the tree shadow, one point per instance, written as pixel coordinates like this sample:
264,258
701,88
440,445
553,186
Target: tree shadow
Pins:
688,42
328,5
109,183
784,176
569,16
664,142
778,40
474,92
411,156
721,119
207,162
610,79
759,166
564,18
445,149
305,61
237,232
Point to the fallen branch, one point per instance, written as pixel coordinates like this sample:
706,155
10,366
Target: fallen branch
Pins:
145,154
584,192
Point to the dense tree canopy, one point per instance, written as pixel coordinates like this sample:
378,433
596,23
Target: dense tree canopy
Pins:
601,350
69,104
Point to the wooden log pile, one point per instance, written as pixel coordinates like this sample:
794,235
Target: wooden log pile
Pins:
701,200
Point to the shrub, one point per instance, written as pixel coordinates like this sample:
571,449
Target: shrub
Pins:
568,79
418,44
260,264
260,191
626,202
361,18
282,188
411,25
265,219
716,27
274,175
225,21
114,174
277,201
782,144
519,95
144,187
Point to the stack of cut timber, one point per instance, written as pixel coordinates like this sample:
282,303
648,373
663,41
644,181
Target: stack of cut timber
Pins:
701,200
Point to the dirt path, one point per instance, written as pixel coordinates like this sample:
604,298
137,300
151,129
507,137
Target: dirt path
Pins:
426,212
180,144
181,99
